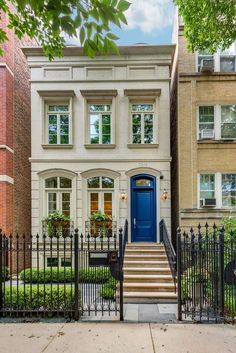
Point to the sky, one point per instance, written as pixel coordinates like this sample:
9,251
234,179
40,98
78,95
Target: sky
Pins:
149,21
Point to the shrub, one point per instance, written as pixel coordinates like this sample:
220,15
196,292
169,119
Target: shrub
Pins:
38,297
108,290
61,275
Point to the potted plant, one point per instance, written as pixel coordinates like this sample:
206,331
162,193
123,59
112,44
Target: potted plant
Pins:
99,222
57,224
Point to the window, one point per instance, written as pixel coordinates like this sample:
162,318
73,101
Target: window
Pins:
101,190
228,190
228,122
227,59
217,122
142,116
99,123
206,119
58,194
207,186
58,124
52,262
66,262
203,56
224,61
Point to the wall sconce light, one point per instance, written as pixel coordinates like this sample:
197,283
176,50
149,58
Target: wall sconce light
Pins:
123,195
165,195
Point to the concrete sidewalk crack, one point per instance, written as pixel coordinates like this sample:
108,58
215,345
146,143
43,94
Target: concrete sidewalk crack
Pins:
153,346
52,339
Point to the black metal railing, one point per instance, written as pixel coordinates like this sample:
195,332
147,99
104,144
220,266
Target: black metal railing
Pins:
170,251
206,262
101,229
68,275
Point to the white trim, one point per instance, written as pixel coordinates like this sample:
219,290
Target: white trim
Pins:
7,148
98,160
5,178
2,64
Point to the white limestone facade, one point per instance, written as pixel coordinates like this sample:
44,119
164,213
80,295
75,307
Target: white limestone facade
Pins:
106,118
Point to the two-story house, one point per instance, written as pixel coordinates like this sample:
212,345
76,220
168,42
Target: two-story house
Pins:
203,104
101,137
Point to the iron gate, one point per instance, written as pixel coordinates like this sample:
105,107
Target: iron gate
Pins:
66,275
206,264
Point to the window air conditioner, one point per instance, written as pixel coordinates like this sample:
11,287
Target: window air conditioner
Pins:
207,65
207,134
208,202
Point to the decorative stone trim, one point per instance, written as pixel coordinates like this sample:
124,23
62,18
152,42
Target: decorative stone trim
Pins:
99,93
142,92
142,145
52,93
47,146
99,146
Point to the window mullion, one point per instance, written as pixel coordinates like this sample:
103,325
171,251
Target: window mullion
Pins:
58,129
142,128
100,128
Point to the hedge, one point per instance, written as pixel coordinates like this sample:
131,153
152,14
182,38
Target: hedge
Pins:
108,290
38,297
61,275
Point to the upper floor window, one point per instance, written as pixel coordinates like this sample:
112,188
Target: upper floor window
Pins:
207,186
100,116
228,122
221,61
217,122
142,118
58,123
58,194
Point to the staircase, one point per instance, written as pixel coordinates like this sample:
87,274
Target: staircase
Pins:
147,275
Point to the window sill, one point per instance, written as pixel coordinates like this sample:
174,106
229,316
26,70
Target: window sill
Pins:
142,145
99,146
217,141
47,146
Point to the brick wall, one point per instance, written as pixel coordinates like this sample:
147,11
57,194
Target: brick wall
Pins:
15,144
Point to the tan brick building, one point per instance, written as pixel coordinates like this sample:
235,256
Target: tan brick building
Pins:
203,109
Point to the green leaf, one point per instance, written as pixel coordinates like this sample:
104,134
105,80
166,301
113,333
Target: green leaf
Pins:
82,35
123,5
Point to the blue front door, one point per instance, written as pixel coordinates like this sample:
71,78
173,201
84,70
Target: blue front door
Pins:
143,208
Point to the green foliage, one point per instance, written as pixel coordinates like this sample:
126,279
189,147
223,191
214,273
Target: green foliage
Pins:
61,275
58,224
38,297
99,216
230,300
208,24
108,290
48,21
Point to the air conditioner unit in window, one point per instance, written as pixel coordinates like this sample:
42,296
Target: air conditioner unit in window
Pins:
208,202
207,65
207,134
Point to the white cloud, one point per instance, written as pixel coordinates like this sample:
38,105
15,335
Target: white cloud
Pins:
149,15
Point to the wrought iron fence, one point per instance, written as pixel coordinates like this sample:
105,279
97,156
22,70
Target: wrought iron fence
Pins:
206,262
101,229
170,251
68,275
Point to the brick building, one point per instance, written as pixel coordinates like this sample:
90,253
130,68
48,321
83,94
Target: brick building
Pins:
15,126
203,110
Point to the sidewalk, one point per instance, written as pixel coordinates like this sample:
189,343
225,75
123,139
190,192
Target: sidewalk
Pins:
116,337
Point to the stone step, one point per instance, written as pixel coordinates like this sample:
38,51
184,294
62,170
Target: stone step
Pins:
145,251
154,264
149,287
150,297
145,257
160,278
146,271
152,246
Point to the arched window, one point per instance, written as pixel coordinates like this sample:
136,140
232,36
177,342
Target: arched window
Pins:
101,193
58,194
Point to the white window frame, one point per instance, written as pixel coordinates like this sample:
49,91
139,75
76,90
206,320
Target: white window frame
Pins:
101,191
100,114
218,189
217,121
91,101
56,101
154,121
217,56
58,191
222,189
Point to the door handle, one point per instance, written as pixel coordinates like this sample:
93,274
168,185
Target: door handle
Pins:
134,222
